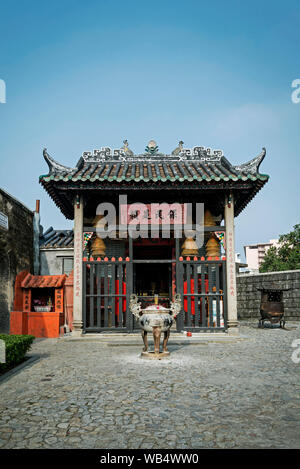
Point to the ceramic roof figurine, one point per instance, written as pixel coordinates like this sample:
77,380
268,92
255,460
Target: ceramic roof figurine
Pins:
126,149
178,149
152,147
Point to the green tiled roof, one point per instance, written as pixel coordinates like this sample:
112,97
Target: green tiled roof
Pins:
110,170
160,171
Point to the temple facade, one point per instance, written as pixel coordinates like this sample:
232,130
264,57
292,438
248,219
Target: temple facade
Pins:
153,224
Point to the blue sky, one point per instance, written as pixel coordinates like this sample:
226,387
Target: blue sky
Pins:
85,74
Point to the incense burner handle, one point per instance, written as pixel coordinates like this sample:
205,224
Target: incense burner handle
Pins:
175,306
135,306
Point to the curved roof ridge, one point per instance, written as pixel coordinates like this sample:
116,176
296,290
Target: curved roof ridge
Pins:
253,165
54,166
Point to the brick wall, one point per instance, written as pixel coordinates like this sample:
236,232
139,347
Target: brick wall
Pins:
16,251
248,297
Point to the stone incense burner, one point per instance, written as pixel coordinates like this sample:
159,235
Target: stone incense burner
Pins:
155,319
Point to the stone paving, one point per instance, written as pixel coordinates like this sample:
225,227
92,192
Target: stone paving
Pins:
79,394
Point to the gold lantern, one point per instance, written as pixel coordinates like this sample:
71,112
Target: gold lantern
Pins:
98,245
208,219
212,247
189,247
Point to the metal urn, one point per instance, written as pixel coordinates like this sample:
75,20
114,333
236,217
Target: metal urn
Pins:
156,319
272,306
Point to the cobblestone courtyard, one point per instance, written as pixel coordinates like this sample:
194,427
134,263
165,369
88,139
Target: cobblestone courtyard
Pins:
79,394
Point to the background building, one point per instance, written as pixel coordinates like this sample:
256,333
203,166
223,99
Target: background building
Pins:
56,252
255,254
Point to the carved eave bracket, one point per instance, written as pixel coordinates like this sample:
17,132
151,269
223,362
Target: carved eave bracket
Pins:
54,166
252,166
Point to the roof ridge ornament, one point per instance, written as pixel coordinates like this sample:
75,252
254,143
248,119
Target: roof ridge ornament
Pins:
178,149
54,166
105,153
152,147
203,153
126,149
253,165
125,154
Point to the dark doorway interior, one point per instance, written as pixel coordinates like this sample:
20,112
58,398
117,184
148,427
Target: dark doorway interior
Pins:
153,278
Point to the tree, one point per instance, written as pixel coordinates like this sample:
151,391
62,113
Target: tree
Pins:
286,256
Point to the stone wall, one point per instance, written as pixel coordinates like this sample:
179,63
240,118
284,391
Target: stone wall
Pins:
248,297
16,251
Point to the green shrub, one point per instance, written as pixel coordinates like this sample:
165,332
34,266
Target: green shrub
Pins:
16,347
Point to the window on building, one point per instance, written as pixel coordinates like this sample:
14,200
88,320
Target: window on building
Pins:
67,265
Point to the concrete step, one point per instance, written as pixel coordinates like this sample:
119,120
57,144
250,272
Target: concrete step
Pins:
136,339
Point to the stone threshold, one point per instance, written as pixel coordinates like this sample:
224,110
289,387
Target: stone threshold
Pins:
136,339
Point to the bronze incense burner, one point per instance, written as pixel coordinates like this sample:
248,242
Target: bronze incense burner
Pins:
156,319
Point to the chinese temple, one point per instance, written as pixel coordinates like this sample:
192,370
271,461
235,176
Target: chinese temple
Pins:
153,189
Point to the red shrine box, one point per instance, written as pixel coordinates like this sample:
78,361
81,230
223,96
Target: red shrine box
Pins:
42,305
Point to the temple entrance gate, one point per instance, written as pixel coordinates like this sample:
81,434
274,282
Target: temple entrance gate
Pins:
202,285
106,292
108,284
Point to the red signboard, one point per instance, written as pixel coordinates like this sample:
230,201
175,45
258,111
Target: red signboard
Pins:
153,214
